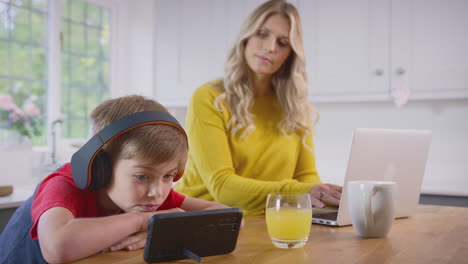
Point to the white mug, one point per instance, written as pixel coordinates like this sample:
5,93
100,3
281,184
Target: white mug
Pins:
371,206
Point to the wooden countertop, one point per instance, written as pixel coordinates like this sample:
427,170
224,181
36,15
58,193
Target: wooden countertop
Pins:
436,234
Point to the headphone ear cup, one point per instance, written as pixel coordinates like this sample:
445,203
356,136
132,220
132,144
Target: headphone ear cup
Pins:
101,171
179,175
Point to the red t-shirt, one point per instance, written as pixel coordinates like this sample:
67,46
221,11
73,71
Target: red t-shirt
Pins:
59,190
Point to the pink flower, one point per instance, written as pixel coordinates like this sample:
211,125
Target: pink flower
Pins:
6,102
32,110
15,114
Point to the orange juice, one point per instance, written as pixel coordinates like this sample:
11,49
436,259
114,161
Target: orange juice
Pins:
288,224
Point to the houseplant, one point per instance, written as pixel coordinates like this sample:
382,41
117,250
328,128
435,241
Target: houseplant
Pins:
18,125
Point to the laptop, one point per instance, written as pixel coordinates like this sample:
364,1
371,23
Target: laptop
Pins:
383,155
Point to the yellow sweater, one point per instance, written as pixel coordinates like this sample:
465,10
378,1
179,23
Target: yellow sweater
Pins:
241,172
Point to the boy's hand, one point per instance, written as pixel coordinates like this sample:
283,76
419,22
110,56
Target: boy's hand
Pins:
135,241
138,240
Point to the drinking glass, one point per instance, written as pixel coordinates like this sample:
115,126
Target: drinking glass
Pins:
288,219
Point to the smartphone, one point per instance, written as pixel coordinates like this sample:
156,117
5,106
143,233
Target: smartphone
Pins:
174,236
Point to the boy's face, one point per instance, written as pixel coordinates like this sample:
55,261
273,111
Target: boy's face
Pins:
139,186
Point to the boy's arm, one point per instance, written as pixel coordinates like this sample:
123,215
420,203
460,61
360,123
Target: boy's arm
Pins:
63,238
189,204
195,204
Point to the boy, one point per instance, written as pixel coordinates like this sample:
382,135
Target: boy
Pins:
62,223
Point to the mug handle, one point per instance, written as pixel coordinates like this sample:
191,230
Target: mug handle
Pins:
369,217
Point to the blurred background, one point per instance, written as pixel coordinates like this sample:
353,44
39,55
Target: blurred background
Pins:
377,64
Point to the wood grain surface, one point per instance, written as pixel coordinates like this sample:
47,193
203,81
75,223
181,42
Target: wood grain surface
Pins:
436,234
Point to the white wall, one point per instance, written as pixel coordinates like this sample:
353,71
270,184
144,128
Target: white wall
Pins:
447,167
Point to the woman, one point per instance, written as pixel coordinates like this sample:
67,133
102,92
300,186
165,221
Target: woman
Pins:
250,134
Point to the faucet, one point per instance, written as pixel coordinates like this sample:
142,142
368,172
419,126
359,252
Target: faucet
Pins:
53,127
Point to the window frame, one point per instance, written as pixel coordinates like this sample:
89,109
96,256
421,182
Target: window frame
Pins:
54,74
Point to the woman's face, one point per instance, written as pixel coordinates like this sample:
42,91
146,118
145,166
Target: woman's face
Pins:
269,48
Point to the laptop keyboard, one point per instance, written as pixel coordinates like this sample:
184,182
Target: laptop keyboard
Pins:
327,216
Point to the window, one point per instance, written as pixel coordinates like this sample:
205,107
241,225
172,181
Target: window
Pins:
70,91
23,49
85,64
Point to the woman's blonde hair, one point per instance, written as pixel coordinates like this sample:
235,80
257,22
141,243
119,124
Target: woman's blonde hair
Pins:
151,143
289,82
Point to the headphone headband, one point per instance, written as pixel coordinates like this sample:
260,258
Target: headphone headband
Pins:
82,160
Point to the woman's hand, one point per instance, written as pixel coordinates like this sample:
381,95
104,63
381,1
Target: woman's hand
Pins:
322,194
138,240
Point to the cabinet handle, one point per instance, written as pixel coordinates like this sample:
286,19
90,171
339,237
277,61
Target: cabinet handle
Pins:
379,72
400,71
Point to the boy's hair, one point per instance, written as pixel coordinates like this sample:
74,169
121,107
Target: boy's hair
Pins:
151,143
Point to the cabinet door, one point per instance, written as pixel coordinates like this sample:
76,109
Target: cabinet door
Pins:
183,57
430,48
192,42
347,45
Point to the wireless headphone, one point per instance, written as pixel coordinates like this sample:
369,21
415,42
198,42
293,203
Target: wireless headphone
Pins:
92,167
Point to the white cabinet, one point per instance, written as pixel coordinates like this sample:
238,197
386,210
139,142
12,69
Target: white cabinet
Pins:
347,45
360,50
192,42
356,50
430,41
